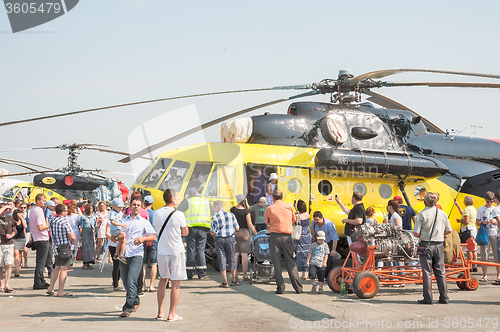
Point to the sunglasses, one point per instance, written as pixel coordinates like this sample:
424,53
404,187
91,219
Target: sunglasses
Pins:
489,201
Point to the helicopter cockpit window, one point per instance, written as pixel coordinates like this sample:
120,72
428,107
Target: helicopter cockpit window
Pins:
199,176
141,175
156,173
9,193
175,176
222,182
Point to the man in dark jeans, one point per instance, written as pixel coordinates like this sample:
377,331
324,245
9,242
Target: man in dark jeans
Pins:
279,218
39,232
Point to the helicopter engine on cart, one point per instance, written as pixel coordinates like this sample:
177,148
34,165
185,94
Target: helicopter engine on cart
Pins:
390,242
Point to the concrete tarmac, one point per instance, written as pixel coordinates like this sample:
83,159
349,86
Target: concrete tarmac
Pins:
206,307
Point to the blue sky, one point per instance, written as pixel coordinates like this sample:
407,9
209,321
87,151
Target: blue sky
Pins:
111,52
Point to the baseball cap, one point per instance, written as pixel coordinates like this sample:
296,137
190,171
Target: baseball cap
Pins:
320,235
149,199
263,200
273,176
398,198
50,203
117,202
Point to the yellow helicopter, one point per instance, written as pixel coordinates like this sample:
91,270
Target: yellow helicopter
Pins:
322,150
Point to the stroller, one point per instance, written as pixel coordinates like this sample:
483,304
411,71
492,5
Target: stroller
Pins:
263,269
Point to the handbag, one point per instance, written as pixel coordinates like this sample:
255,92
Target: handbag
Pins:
465,235
482,235
422,248
79,255
297,231
64,251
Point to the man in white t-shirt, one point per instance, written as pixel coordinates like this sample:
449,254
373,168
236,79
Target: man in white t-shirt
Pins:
485,217
137,231
171,254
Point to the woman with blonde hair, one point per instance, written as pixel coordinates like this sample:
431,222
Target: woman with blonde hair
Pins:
468,222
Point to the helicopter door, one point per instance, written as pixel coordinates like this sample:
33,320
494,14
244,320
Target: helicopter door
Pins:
294,183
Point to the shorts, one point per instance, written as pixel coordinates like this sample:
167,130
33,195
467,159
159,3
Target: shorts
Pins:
484,250
115,231
19,244
60,262
172,266
150,252
6,254
316,271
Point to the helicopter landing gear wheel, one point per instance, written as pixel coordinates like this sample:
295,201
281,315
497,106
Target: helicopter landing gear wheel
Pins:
472,284
365,285
334,278
461,284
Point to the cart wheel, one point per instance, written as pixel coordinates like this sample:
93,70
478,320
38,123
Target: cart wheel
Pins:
251,276
333,279
365,285
472,284
461,284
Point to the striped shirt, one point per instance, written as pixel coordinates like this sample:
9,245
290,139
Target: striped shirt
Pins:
59,230
224,224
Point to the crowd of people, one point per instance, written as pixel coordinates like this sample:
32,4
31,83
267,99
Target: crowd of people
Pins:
138,237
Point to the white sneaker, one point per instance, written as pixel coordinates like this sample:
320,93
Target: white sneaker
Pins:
320,290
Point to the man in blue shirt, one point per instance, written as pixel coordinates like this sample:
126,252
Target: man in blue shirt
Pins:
407,214
331,236
138,231
223,228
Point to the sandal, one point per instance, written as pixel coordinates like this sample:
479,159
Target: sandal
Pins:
496,283
235,283
224,285
17,274
484,279
9,290
246,278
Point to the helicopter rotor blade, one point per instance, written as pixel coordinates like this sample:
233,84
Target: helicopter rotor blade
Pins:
210,124
115,152
30,173
388,72
19,163
128,104
28,149
392,104
196,129
445,84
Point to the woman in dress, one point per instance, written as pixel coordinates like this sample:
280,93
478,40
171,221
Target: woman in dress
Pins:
102,219
302,245
243,243
87,226
74,222
19,239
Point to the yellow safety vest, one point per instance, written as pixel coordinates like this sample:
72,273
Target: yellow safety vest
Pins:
198,213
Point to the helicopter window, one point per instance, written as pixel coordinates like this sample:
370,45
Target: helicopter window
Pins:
199,176
9,193
385,191
222,182
325,187
155,174
294,186
143,173
360,187
175,176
